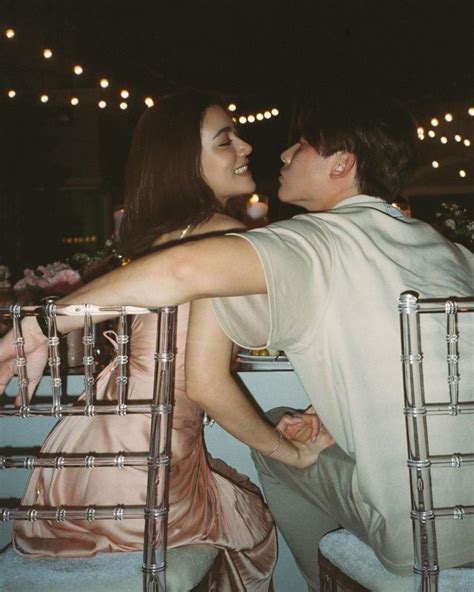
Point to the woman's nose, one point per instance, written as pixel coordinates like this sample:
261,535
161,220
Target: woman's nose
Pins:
245,148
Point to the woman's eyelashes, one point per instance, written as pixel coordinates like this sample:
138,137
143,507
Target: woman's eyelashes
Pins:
226,143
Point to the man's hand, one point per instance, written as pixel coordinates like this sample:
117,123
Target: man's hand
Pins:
36,352
307,435
303,427
308,453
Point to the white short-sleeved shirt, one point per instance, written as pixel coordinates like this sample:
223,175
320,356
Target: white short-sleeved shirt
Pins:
333,280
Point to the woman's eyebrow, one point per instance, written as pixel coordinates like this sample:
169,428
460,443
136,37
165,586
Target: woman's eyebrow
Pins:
227,129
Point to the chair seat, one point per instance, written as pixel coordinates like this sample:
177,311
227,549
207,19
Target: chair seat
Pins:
358,561
187,566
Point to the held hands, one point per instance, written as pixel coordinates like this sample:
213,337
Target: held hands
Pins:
307,435
36,352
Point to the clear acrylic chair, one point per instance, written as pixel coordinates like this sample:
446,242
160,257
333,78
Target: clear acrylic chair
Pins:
187,566
348,564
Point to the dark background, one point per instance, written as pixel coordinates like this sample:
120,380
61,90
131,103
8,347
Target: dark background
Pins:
62,167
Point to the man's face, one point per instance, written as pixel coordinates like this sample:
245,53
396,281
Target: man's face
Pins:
306,177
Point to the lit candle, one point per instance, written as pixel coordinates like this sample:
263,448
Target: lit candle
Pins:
256,209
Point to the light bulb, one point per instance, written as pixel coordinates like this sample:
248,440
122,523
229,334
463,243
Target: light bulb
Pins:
10,33
78,70
435,164
124,94
74,101
448,117
462,173
11,94
467,142
102,104
232,107
444,140
251,118
457,137
104,83
275,112
267,114
47,53
149,102
44,98
123,105
259,116
434,122
242,119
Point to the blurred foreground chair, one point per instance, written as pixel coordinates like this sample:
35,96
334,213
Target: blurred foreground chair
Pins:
349,565
155,570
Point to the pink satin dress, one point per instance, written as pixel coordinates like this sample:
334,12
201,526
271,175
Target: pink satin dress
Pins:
209,502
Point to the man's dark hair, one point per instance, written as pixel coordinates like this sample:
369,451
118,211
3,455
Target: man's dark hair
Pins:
376,129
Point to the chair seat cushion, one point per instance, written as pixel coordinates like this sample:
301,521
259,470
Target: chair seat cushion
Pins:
117,572
359,562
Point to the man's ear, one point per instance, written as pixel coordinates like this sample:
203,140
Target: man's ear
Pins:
344,163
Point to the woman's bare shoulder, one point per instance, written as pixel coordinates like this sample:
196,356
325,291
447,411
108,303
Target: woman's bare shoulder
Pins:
220,223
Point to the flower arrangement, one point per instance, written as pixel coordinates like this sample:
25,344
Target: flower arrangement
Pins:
54,279
455,223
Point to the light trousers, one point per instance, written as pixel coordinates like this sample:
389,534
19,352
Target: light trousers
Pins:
308,503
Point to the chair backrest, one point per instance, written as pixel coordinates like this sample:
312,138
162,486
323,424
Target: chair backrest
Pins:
414,312
155,512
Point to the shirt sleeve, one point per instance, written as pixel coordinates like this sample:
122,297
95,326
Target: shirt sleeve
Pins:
296,257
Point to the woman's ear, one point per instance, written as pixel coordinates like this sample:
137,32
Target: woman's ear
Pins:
344,163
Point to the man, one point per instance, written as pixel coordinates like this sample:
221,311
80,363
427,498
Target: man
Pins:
322,286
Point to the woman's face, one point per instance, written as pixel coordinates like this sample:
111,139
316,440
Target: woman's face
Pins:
224,156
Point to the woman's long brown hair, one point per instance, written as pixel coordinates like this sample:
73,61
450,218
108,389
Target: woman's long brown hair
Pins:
164,188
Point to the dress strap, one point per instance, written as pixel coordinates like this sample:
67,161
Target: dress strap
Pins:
184,232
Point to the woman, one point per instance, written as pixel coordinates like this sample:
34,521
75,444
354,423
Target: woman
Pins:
185,162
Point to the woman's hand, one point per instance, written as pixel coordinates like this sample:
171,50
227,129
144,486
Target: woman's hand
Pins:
303,427
307,436
308,452
36,352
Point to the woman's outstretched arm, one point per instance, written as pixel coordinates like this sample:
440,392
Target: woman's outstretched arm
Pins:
210,383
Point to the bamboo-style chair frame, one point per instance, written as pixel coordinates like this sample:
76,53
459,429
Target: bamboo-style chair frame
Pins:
155,512
424,514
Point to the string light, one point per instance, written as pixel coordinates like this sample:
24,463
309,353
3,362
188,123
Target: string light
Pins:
435,164
471,111
467,142
462,173
78,69
431,134
448,117
444,140
457,137
434,122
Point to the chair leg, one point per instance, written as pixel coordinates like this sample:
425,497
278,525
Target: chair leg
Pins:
332,579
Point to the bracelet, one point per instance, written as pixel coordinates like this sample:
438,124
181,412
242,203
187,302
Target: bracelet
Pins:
277,445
